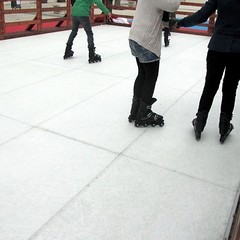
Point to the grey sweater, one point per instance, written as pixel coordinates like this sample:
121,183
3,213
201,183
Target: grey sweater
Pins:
146,28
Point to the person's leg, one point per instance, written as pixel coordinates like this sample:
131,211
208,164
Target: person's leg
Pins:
73,34
93,57
165,20
151,74
144,85
229,88
166,36
13,4
165,17
145,115
215,68
138,84
85,21
137,90
68,50
230,83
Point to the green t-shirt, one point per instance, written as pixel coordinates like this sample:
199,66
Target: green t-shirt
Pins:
81,8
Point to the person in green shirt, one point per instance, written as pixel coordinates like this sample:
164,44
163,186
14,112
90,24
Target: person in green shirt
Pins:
80,16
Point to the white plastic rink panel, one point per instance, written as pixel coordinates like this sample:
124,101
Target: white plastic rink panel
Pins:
73,168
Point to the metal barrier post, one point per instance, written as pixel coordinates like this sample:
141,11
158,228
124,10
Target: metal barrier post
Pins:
2,21
69,8
39,15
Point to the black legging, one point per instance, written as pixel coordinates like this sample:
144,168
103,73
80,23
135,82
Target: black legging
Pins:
146,80
217,62
165,17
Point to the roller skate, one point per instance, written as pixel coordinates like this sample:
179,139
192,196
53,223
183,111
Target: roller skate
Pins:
199,123
225,127
134,109
68,52
93,57
146,116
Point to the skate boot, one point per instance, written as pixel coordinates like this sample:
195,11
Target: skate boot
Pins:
146,116
199,123
93,57
166,35
68,52
225,127
134,109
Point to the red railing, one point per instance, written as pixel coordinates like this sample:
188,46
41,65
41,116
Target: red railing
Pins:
185,9
29,19
38,16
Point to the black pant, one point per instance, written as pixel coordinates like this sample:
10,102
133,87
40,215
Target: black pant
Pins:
146,80
165,17
13,4
85,22
217,62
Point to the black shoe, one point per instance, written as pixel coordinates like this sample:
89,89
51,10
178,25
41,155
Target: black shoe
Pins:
93,57
146,116
68,52
199,123
225,127
134,109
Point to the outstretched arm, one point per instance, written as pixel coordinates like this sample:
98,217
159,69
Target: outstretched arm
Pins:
200,16
102,6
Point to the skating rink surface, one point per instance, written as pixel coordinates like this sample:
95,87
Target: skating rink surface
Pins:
73,168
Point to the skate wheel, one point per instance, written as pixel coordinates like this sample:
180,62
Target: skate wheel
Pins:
136,125
145,124
153,125
64,57
130,120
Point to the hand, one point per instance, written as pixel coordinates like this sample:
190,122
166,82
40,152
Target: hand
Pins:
172,22
110,17
175,26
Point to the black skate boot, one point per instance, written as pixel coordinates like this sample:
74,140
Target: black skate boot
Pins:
146,116
225,127
199,123
68,52
134,109
166,36
93,57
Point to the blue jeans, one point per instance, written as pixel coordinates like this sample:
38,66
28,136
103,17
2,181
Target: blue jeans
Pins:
85,22
143,55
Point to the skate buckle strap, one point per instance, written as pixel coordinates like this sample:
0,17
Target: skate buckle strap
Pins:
153,115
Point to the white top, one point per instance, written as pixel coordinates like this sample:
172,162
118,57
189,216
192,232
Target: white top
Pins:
146,27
